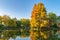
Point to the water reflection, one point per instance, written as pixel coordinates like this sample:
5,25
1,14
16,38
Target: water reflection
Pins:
25,35
14,35
19,38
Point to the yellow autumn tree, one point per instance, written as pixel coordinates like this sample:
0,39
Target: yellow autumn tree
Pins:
38,20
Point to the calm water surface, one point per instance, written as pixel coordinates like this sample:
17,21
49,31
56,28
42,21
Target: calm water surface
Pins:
14,35
18,38
18,35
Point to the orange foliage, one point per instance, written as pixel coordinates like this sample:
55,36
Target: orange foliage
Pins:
38,14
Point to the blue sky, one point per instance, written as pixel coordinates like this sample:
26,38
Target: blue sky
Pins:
23,8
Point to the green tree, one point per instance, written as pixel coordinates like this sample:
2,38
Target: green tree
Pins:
25,23
18,23
53,20
52,17
6,20
13,22
0,20
58,18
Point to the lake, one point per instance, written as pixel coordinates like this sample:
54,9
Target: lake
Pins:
18,38
20,35
14,35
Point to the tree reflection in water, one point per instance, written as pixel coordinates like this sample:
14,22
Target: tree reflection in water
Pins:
7,34
17,34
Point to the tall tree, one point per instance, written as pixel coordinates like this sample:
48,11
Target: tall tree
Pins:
38,20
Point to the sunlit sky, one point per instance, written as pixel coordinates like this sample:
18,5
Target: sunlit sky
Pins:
23,8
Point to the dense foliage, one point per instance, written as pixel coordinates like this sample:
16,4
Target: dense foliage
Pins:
39,19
